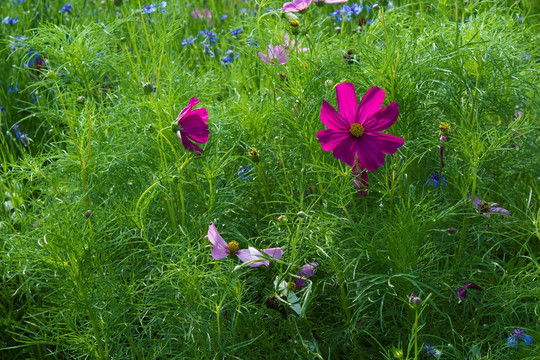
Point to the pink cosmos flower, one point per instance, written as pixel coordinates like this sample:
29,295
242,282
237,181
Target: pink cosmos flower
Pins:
296,5
330,1
292,45
191,126
276,55
220,250
306,271
354,134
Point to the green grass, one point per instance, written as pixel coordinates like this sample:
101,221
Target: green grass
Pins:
134,279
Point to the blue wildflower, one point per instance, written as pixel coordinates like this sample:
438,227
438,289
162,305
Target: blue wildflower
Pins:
431,351
10,21
337,15
251,42
356,8
235,31
188,41
223,17
21,136
2,108
244,173
435,179
66,8
519,334
208,50
210,36
13,88
229,58
18,2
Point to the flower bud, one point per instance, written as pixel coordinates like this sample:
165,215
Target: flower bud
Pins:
452,230
301,214
414,300
290,16
88,213
81,100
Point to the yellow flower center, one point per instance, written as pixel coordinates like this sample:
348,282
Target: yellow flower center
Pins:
444,128
484,206
356,130
233,247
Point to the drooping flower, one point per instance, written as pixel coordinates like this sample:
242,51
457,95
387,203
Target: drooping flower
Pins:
305,272
296,5
519,334
221,249
191,126
435,179
484,207
276,55
354,134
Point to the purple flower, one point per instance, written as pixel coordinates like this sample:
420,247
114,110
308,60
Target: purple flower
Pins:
10,21
484,207
462,294
435,179
221,249
414,300
517,335
66,8
210,36
305,272
229,58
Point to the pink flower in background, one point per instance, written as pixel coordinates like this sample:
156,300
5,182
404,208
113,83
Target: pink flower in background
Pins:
292,45
276,55
296,5
330,1
191,126
354,134
221,249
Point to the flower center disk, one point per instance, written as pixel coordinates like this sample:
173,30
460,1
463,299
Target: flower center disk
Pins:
356,130
233,247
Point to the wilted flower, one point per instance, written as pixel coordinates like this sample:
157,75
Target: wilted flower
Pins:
517,335
191,126
435,179
354,134
305,272
462,292
484,207
220,250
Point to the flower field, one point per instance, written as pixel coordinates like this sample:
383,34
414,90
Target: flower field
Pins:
262,179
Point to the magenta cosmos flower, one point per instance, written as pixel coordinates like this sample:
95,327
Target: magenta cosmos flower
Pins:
354,134
276,55
220,250
296,5
191,126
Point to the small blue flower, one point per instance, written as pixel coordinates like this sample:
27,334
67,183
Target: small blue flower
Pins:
10,21
18,2
431,351
223,17
66,8
13,88
21,136
188,41
245,172
210,36
2,108
436,178
236,31
519,334
251,42
208,50
229,58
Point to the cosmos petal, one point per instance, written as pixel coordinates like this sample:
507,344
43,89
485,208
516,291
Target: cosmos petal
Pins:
251,254
194,127
331,118
385,143
219,246
382,119
346,99
370,104
330,138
